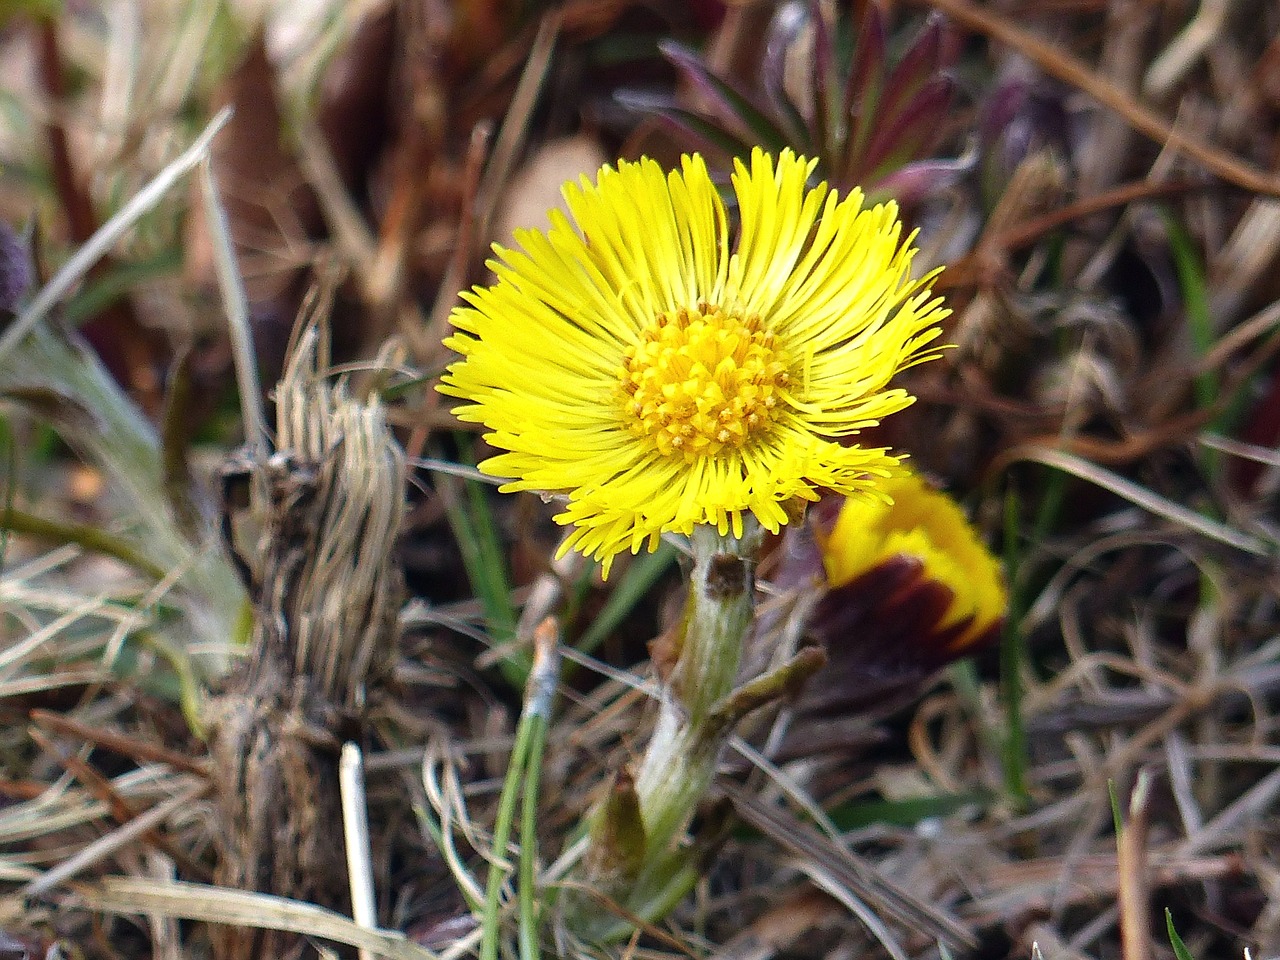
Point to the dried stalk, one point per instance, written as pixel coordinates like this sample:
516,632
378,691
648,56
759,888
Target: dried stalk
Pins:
315,546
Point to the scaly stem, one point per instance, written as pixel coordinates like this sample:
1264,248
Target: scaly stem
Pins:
681,758
636,857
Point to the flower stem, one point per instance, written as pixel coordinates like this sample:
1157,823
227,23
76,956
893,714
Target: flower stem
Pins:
698,669
681,758
84,535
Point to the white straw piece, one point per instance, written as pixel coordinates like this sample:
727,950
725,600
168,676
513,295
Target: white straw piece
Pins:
355,831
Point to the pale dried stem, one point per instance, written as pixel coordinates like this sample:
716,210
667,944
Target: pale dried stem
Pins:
1135,906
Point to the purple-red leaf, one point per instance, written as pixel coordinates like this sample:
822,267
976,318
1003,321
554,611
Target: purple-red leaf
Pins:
863,89
822,77
703,132
726,99
1003,104
915,129
917,67
867,68
17,274
915,181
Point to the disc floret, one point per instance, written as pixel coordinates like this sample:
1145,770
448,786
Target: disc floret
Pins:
700,380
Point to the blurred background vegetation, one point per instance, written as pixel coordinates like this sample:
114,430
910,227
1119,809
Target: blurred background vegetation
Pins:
1098,178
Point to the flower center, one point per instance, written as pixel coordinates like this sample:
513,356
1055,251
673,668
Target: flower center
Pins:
702,380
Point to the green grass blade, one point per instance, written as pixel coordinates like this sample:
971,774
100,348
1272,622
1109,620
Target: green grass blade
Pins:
640,576
491,919
1117,815
1195,300
484,558
102,291
521,782
1179,948
905,813
527,884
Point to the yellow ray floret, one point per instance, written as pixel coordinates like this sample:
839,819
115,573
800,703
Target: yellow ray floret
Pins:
929,527
662,375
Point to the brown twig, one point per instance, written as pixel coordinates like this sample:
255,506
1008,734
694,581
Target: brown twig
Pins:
1022,234
855,873
136,749
1138,115
76,204
117,806
21,789
987,258
455,276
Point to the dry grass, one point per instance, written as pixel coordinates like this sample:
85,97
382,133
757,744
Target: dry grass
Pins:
1109,418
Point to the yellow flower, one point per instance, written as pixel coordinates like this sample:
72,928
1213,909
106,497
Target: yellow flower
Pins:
664,371
930,575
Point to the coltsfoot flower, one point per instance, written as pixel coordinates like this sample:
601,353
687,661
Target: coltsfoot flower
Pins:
906,588
663,370
921,556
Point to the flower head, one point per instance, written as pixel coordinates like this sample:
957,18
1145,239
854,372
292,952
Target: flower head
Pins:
918,556
663,371
906,588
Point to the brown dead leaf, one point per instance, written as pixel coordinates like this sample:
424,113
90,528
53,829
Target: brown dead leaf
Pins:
269,207
535,189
